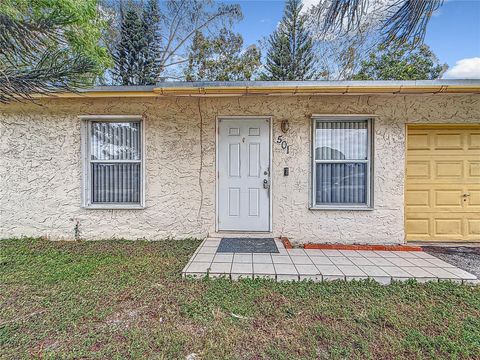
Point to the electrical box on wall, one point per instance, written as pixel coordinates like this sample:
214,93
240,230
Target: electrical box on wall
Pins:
286,171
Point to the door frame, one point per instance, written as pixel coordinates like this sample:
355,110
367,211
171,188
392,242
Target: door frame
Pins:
270,164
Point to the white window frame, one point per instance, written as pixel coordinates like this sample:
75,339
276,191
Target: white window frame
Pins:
369,161
86,156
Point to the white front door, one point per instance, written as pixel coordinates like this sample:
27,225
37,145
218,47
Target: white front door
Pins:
243,174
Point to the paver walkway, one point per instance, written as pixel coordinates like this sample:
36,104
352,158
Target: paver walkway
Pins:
322,265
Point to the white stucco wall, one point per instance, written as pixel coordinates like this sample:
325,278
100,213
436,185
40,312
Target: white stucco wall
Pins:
41,166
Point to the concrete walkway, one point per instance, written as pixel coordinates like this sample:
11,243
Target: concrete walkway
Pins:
322,265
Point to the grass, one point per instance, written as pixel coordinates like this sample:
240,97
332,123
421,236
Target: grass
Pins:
122,299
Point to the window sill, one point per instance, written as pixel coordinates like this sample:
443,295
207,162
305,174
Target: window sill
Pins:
342,208
114,207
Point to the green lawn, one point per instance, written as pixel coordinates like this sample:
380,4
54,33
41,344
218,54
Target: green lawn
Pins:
121,299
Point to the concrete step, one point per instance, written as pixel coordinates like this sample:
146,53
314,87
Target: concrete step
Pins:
228,234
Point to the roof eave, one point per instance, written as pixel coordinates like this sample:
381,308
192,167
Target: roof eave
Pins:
218,89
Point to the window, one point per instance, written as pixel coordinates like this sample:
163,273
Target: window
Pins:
341,162
114,162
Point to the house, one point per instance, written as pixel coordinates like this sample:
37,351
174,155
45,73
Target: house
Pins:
369,162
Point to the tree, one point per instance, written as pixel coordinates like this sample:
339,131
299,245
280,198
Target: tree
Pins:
402,20
133,63
290,55
221,58
182,20
151,20
175,26
126,54
48,47
401,62
341,51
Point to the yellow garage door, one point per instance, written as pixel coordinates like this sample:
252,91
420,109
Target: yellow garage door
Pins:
442,200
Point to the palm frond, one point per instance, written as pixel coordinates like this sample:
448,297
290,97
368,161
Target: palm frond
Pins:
34,58
404,20
409,21
25,37
343,14
53,72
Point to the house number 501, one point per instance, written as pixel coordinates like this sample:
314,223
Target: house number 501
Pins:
283,144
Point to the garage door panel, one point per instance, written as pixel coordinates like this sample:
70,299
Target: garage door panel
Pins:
474,199
473,141
448,141
451,198
418,227
418,169
442,191
448,227
419,141
418,198
473,228
448,169
474,169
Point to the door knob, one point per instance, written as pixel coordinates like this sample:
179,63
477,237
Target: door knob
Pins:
266,184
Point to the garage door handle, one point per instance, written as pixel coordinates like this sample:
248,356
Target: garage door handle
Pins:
466,194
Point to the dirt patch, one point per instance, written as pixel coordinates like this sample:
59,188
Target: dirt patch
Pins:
466,258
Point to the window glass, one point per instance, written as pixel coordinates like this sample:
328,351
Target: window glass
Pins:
115,141
115,163
341,183
115,183
341,140
342,164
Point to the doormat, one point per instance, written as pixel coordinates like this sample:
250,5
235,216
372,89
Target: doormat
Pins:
247,245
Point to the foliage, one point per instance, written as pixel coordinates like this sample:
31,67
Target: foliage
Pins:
401,62
175,27
403,20
48,46
341,51
182,20
151,19
290,55
221,58
126,299
80,22
137,52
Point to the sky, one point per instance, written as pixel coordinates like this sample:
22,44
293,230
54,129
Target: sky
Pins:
453,32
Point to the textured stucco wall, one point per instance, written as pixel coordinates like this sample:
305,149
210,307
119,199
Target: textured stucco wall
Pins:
41,166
